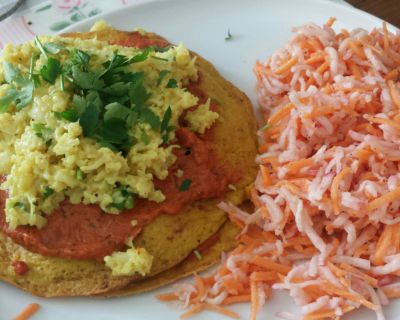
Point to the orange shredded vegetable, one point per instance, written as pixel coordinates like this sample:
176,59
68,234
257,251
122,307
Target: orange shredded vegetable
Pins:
326,219
29,311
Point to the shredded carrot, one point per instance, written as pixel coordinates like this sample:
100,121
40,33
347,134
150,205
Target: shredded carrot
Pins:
254,300
328,161
286,67
236,299
166,297
282,113
335,188
330,22
394,93
265,175
270,265
384,242
294,167
385,37
392,75
29,311
383,200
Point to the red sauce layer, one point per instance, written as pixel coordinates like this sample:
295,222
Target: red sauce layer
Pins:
86,232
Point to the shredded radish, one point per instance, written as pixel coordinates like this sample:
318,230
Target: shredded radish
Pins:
326,222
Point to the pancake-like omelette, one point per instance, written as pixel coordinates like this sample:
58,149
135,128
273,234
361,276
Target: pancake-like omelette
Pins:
169,238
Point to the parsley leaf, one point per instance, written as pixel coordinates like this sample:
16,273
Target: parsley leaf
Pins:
80,58
51,70
137,92
166,119
80,175
123,198
141,56
86,80
70,115
47,192
161,76
159,58
148,116
114,131
172,83
118,89
185,185
228,36
89,120
24,94
43,132
116,110
53,47
11,73
165,128
144,137
40,46
7,100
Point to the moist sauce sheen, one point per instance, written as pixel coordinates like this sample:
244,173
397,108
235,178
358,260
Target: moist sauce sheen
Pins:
79,231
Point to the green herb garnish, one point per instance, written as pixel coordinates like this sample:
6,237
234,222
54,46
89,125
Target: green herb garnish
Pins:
123,198
161,76
185,185
165,128
47,192
172,83
228,36
40,46
21,92
159,58
43,132
19,205
51,70
80,175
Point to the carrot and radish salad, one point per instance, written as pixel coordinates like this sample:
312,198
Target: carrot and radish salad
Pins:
326,224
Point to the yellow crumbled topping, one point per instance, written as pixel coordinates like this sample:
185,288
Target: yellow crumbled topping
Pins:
201,118
129,262
43,172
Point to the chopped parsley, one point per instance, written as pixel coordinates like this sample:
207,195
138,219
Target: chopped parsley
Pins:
123,198
21,89
19,204
165,128
172,83
47,192
51,70
43,132
80,175
107,102
161,76
228,36
185,185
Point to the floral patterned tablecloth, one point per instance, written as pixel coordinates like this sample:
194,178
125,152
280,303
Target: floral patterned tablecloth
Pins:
48,17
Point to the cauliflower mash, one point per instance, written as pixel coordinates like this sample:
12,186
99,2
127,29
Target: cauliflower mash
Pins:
91,122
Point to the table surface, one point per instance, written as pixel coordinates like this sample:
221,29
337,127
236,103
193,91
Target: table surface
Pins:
388,10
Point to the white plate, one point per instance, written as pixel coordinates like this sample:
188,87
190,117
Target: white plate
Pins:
258,28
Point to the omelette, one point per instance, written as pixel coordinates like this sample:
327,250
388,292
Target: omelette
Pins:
117,148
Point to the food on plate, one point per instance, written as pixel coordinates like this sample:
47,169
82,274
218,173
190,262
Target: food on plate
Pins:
326,222
116,148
